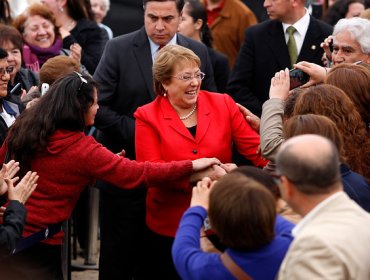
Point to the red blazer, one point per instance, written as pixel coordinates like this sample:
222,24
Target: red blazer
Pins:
161,136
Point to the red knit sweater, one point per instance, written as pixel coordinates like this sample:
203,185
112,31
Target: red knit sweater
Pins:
70,163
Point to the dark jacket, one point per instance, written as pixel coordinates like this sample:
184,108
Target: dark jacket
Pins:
27,78
90,37
221,69
17,109
356,187
12,227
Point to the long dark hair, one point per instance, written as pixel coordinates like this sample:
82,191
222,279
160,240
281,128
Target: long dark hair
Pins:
5,12
63,107
79,9
198,11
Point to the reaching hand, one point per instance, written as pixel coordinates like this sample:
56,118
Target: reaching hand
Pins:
280,85
203,163
8,171
200,194
229,166
24,188
316,72
251,118
326,46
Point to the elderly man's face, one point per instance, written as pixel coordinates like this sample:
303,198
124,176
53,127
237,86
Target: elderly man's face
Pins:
161,21
346,49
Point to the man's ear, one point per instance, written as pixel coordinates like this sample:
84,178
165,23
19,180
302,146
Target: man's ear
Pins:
288,187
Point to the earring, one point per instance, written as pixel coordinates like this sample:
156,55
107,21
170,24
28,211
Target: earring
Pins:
61,9
165,92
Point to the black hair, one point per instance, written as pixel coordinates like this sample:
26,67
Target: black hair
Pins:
179,3
198,11
3,53
63,107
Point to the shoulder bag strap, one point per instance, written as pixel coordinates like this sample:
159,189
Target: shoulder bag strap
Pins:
234,269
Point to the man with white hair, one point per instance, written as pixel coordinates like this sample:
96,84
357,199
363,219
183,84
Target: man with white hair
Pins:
332,241
351,41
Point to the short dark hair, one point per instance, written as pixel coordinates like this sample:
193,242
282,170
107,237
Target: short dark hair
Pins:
242,212
261,177
314,174
3,54
11,34
179,3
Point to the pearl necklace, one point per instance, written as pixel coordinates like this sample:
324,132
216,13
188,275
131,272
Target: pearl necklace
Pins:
189,115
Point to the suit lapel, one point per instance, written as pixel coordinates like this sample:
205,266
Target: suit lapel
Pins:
174,121
311,46
277,44
143,56
204,119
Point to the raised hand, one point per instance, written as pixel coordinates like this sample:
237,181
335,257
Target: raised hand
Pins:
316,72
280,85
8,171
200,195
23,189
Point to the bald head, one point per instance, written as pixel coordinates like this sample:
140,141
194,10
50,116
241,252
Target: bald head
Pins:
310,162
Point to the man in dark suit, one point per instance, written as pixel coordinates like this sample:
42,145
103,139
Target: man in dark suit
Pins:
265,50
124,75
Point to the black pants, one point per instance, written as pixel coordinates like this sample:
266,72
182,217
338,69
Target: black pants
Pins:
40,261
122,229
158,259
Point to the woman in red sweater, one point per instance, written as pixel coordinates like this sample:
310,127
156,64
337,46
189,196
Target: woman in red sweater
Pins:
49,139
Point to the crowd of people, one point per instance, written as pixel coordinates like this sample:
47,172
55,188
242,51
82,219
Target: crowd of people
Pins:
202,87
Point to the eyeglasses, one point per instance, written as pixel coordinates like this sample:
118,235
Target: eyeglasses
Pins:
6,70
83,80
187,77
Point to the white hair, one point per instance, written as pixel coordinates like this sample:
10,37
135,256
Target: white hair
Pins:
359,28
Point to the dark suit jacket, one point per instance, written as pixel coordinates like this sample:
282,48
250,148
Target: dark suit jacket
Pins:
265,52
125,79
221,69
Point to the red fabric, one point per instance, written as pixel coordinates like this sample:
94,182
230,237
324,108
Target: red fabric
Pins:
161,136
213,14
73,161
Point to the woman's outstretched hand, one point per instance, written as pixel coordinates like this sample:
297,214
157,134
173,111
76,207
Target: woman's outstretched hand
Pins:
203,163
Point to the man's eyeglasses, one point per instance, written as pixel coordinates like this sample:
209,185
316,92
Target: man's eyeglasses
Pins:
6,70
187,77
83,80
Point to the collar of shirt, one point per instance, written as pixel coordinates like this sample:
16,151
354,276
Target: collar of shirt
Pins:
154,48
212,14
313,213
8,118
301,26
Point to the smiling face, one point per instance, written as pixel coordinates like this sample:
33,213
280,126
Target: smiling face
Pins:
161,20
14,57
39,32
4,77
183,94
346,49
91,112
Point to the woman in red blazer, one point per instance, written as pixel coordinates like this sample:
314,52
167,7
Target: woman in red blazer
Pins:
184,122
